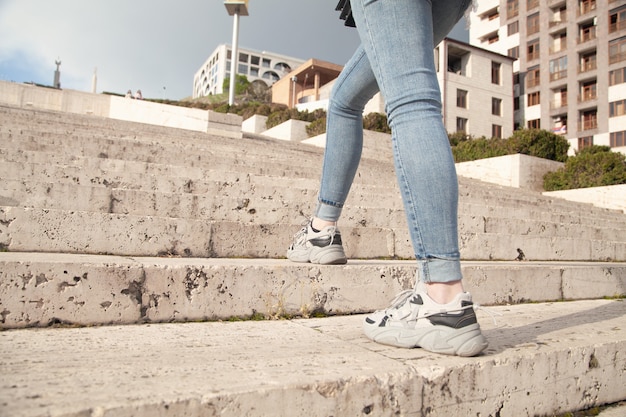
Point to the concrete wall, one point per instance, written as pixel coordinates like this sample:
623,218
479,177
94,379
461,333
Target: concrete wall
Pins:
120,108
612,197
518,170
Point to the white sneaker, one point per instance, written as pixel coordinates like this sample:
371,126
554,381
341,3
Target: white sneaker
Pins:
416,320
323,247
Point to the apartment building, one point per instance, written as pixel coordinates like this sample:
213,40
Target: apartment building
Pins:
476,89
570,72
265,67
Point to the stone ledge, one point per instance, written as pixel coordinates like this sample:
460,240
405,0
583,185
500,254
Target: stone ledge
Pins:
38,289
543,359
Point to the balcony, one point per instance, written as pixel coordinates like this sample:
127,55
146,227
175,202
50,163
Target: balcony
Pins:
587,66
614,27
588,124
621,56
558,104
587,96
557,75
586,8
586,35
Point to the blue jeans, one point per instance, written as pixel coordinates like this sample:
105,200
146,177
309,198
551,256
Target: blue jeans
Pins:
396,58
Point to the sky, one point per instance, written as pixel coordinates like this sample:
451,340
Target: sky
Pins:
157,46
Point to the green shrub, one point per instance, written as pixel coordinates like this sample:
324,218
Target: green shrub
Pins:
539,143
471,150
594,166
376,122
316,127
241,86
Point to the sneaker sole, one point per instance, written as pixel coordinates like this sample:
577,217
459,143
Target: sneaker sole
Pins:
330,255
467,341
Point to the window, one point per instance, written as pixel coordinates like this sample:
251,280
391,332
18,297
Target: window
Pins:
243,57
617,50
586,6
513,52
533,98
617,19
558,68
516,103
532,77
588,90
495,72
588,62
255,60
585,142
512,8
531,4
496,106
589,119
496,131
512,28
534,124
559,98
266,63
242,69
532,24
617,76
461,124
559,42
617,108
254,72
532,49
461,98
586,32
559,15
618,139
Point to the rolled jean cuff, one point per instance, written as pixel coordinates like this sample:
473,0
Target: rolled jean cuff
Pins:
439,270
328,212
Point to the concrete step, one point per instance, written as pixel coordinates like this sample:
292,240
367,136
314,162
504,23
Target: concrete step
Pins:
39,289
49,230
542,359
246,202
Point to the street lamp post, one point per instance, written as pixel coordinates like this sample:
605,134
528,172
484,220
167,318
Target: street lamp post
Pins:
235,8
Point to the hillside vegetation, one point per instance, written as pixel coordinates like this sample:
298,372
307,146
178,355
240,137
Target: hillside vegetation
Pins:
591,167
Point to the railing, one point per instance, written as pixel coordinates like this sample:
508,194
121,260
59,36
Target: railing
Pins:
557,75
587,36
587,66
557,104
533,55
587,95
586,8
532,82
557,48
614,27
617,57
588,124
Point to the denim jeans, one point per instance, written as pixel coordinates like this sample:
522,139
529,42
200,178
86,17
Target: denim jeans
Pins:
396,58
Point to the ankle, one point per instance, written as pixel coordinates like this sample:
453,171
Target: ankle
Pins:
444,292
320,224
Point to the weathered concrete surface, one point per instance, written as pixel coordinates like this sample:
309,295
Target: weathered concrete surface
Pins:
38,289
543,359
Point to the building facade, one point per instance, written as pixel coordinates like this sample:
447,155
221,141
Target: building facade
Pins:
266,67
570,68
476,89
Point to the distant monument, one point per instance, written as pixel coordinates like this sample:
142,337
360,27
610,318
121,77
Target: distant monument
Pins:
94,80
57,75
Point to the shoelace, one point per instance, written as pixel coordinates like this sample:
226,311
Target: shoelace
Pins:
401,298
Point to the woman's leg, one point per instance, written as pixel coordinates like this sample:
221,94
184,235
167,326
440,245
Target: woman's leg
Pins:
398,39
354,87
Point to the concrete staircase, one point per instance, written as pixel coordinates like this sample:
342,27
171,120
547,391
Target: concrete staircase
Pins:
154,231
